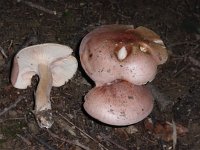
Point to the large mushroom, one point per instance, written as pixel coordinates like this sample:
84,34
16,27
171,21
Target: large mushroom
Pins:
54,65
120,59
113,52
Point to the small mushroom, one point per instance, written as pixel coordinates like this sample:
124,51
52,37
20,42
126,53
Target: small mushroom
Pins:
54,65
119,103
121,52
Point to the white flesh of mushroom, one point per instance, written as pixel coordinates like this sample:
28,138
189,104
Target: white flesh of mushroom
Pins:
42,96
122,53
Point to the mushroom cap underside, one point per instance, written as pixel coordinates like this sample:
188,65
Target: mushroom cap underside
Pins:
56,56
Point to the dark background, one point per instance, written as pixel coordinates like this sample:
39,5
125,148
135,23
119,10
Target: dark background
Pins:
22,24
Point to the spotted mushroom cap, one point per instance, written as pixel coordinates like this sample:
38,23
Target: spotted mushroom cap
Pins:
119,103
113,52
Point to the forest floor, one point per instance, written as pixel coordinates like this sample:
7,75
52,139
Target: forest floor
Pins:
176,115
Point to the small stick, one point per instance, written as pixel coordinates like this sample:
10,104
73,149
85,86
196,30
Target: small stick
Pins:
174,134
107,138
11,43
123,16
181,70
76,142
183,43
25,140
3,52
43,142
194,61
11,106
38,7
82,131
7,119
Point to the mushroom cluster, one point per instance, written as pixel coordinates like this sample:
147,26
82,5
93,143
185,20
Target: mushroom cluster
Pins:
54,65
121,59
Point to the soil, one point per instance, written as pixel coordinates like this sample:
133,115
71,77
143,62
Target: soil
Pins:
177,98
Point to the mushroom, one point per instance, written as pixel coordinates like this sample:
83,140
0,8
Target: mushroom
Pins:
120,59
113,52
54,65
119,103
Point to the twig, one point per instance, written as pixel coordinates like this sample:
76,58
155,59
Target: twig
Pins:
174,135
42,142
107,138
11,106
194,61
3,52
76,142
149,140
82,131
11,43
25,140
123,16
7,119
183,43
181,70
38,7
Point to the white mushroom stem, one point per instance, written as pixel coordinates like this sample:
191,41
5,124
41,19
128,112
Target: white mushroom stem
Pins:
42,97
44,88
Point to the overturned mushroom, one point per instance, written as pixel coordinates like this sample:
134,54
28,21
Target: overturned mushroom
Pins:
119,103
54,65
121,52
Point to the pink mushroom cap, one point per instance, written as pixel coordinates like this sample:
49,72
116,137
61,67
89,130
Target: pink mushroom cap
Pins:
119,103
113,52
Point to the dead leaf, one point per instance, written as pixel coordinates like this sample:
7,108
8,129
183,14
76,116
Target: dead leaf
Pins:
65,126
164,129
